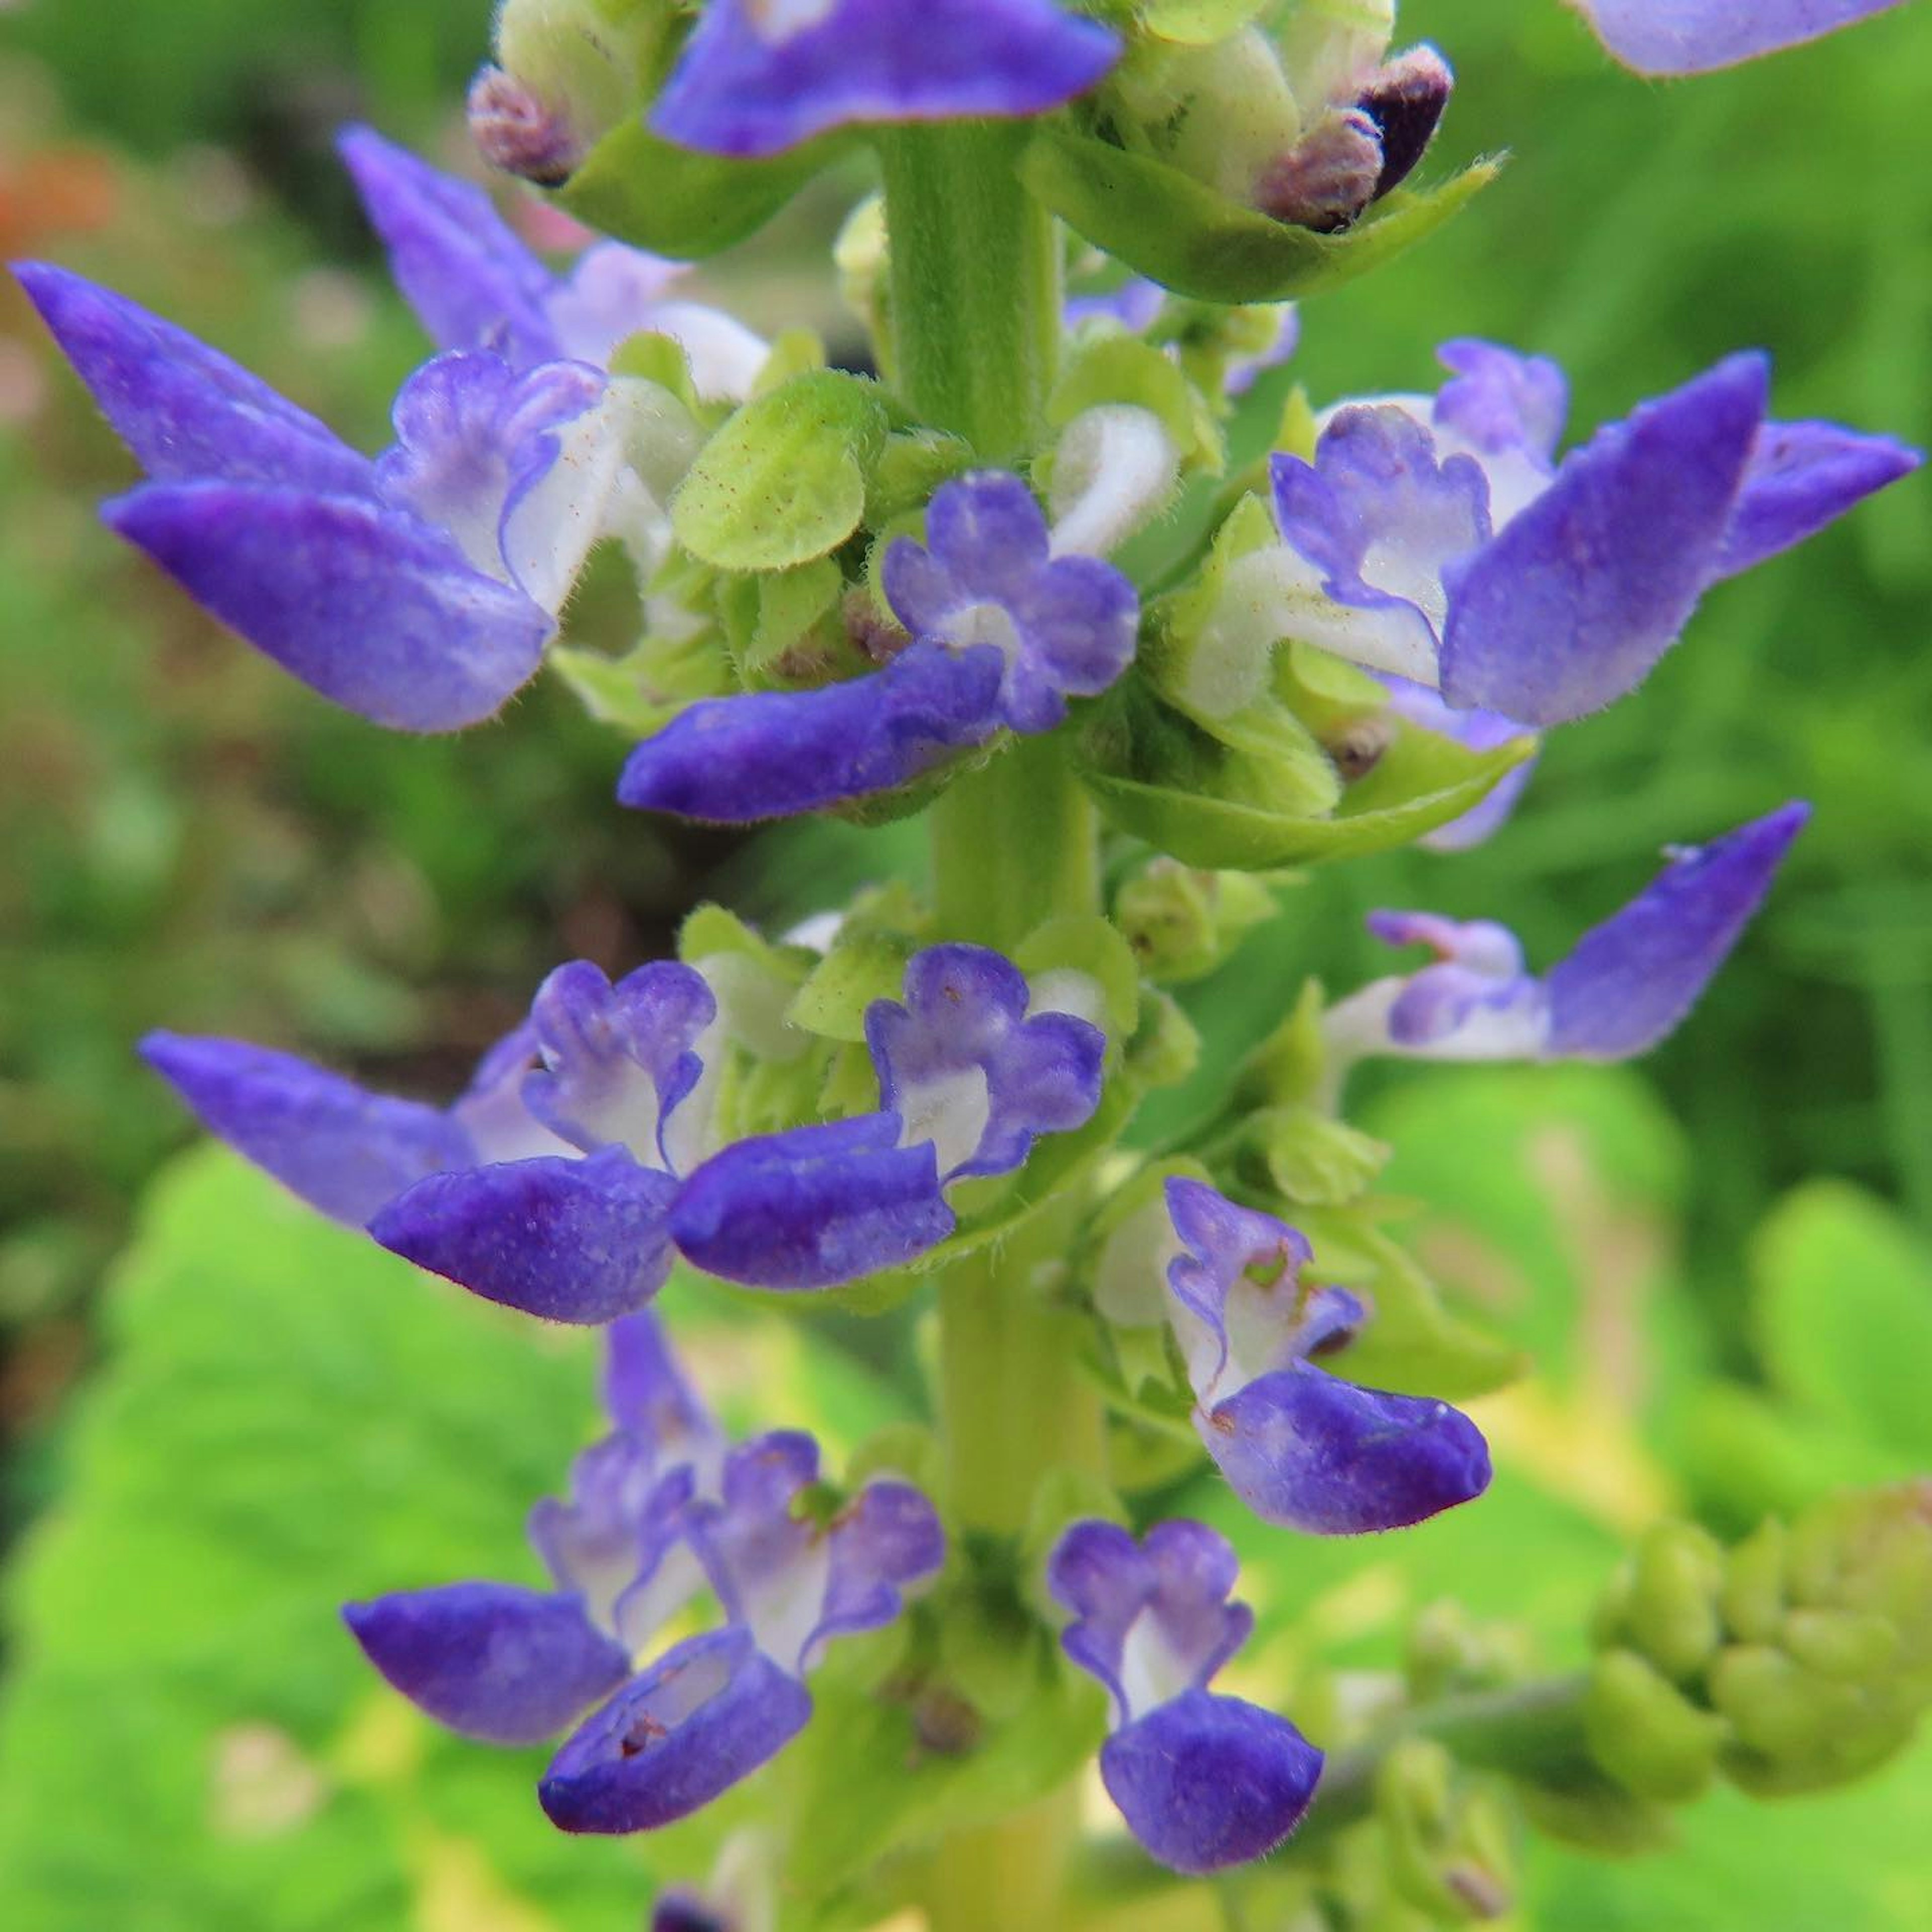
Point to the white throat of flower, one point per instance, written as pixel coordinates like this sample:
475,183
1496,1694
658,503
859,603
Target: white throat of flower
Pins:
1115,470
952,1111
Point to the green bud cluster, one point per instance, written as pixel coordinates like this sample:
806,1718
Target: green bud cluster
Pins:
1794,1661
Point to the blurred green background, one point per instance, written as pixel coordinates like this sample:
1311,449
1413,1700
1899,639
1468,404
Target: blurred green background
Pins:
190,839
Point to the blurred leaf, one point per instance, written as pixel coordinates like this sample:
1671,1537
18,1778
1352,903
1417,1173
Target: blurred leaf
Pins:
1844,1314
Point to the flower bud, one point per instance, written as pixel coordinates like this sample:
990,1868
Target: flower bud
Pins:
1645,1733
1671,1615
1184,923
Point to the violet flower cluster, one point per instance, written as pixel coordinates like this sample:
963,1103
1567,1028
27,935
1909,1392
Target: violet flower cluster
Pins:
859,596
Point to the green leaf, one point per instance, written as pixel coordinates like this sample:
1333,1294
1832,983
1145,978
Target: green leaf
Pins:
1844,1314
677,202
784,482
1190,238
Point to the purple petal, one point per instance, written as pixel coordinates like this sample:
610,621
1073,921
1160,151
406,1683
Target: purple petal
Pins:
1167,1598
616,1059
1628,982
1570,605
472,284
814,1207
754,79
964,1068
772,754
708,1713
1062,626
342,1149
1801,477
592,1544
1476,731
887,1538
1307,1450
1499,400
509,1665
1665,37
186,411
647,1392
491,1111
569,1240
1207,1782
682,1911
365,604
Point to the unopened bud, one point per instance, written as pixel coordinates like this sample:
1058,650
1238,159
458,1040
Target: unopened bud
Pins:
1406,100
1645,1733
1671,1615
1324,181
1752,1596
517,132
567,72
1183,922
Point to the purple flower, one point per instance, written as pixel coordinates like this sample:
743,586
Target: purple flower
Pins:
966,1080
716,1707
1204,1781
418,589
1664,37
588,1149
474,285
1626,986
760,76
1441,543
1003,632
659,1510
1476,730
1300,1447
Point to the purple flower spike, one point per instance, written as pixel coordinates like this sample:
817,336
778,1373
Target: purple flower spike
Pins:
344,1150
814,1207
1301,1448
508,1665
568,1240
1205,1782
617,1059
965,1070
795,1582
772,754
706,1714
1667,37
1626,986
1063,626
1439,542
760,76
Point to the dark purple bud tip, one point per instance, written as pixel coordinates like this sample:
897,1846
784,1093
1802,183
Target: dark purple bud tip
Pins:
685,1911
1327,178
1206,1782
1406,99
515,130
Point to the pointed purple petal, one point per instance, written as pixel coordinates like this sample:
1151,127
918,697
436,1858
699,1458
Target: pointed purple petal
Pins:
1570,605
569,1240
508,1665
1665,37
813,1207
708,1713
1801,476
772,754
185,410
646,1390
1207,1782
1627,983
1304,1449
472,282
367,605
342,1149
749,82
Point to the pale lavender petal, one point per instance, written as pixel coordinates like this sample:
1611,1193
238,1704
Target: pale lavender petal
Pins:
773,754
1478,968
344,1150
591,1542
812,1208
615,1061
491,1110
508,1665
1307,1450
1801,477
647,1392
1207,1782
1665,37
1063,626
364,604
1498,400
756,79
569,1240
1476,730
186,411
887,1538
964,1068
706,1714
472,282
1570,605
1627,983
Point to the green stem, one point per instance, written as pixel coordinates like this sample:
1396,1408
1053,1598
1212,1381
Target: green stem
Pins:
975,287
975,306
